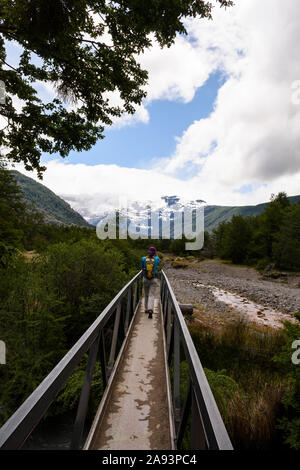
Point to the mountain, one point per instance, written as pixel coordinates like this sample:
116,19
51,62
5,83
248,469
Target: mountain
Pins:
58,211
55,210
213,215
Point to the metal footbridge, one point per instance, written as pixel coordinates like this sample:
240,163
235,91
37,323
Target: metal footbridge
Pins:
145,403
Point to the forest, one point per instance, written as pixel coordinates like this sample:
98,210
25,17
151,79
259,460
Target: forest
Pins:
55,280
270,238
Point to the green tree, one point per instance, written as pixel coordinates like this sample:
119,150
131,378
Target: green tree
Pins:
271,221
11,210
32,329
271,237
286,246
63,43
46,304
178,246
85,277
209,249
233,239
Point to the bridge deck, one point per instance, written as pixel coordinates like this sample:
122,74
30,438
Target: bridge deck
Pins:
136,415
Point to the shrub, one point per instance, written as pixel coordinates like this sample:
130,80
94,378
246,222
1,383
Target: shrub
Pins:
290,422
248,386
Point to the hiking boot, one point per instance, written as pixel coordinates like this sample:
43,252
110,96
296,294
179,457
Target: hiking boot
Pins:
150,313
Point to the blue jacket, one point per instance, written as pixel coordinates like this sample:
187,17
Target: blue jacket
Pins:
156,262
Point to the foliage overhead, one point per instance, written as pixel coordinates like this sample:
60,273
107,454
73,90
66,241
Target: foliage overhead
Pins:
65,43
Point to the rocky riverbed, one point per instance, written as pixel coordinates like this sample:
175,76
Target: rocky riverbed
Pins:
219,291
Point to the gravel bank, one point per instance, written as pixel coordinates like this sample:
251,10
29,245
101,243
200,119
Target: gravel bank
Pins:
278,295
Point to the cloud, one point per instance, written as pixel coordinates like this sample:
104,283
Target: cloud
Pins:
248,147
252,137
175,73
92,190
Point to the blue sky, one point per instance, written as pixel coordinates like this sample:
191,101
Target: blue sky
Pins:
219,122
137,145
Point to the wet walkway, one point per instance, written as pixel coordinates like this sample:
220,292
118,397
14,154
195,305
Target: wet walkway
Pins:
136,415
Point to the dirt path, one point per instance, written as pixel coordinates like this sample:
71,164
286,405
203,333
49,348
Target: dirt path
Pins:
210,281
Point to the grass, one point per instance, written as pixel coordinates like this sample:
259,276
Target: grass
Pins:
184,264
250,415
213,320
242,352
230,263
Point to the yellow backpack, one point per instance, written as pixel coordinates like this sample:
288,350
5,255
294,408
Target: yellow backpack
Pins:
149,267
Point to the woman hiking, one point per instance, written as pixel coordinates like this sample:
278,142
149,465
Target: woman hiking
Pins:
149,265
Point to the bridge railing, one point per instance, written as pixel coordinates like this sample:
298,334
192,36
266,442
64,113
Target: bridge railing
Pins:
118,313
207,430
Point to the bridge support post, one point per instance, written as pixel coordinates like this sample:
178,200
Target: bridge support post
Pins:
114,341
103,359
166,314
176,384
128,311
135,296
170,333
184,416
198,438
84,396
168,324
162,291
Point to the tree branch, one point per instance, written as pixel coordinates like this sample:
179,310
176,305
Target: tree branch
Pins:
92,42
4,29
10,66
